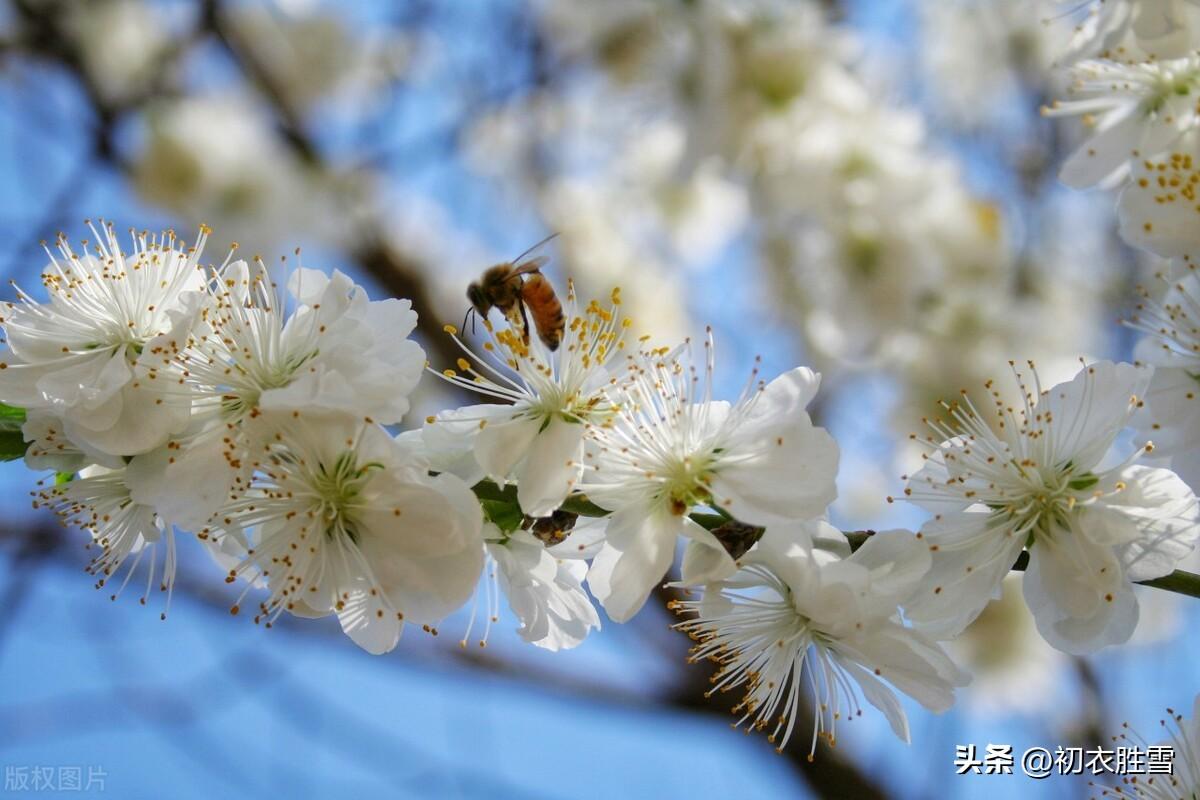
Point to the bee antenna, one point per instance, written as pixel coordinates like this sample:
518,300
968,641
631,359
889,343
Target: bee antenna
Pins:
534,247
467,316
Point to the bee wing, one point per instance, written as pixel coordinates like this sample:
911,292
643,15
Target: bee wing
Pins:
535,248
532,265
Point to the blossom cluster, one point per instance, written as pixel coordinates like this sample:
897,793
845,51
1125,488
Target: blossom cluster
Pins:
257,408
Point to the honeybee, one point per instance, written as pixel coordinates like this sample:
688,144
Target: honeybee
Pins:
553,529
515,286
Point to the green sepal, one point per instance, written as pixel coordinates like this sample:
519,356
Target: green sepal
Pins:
11,418
12,444
505,516
1083,482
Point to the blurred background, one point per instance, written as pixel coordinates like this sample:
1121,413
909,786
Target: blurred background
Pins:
865,187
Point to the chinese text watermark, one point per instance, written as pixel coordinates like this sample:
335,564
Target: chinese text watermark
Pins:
1041,762
57,778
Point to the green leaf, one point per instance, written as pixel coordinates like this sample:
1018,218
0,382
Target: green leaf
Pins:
11,418
12,445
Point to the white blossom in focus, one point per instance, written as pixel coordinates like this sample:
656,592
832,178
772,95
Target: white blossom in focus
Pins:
1029,477
250,355
342,520
794,621
671,447
548,399
86,356
116,506
50,448
1171,416
1131,109
1159,209
1183,781
1150,29
545,591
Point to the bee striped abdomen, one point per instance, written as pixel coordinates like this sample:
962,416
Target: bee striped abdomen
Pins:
545,308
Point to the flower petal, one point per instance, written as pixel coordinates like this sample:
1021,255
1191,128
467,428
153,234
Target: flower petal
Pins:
1091,409
553,465
502,444
786,473
1080,599
1154,522
639,550
704,559
966,572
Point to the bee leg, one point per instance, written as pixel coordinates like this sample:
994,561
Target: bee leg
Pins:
524,324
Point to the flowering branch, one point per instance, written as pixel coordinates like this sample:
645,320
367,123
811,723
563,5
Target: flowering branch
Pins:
1179,581
251,409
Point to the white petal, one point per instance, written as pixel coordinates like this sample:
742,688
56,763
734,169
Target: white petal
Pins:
1079,597
705,560
1171,416
147,418
1166,228
1154,521
1091,409
787,473
201,479
786,396
450,439
1105,152
882,698
897,560
951,596
307,285
584,541
912,663
428,559
366,620
553,465
640,548
501,444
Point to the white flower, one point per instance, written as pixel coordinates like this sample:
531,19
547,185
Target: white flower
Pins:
552,397
1183,782
545,591
671,447
1029,479
85,356
1159,208
1144,28
794,620
1172,344
116,507
336,351
346,523
1133,108
49,447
